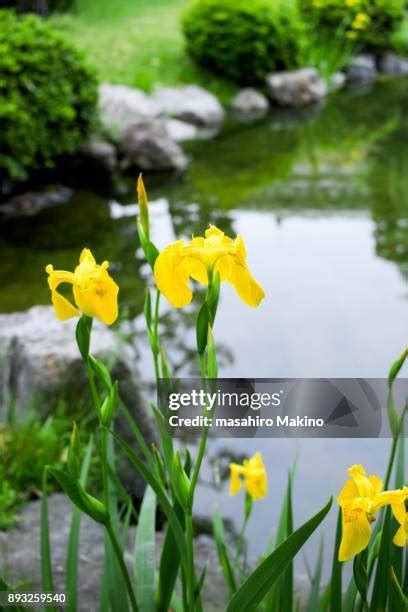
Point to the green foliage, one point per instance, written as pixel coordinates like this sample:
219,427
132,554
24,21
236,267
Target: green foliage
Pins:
399,38
242,40
367,22
48,95
25,449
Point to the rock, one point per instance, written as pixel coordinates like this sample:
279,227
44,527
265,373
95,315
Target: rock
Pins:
122,107
337,81
250,103
149,147
179,131
393,64
40,364
362,69
296,88
102,152
192,104
20,559
31,202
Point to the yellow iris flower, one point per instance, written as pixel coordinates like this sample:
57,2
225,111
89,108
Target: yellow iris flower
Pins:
179,262
95,292
360,499
253,473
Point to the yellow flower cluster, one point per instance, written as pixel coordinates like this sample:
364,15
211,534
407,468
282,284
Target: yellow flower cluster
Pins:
360,499
252,474
179,262
360,21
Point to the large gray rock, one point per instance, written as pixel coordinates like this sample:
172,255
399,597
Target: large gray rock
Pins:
180,131
101,152
122,107
296,88
250,103
20,559
393,64
40,364
149,147
362,70
192,104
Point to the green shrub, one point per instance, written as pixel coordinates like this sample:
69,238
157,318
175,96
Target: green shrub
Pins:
399,38
368,22
48,95
243,40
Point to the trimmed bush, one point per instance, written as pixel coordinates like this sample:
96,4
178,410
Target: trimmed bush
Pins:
48,95
243,40
368,22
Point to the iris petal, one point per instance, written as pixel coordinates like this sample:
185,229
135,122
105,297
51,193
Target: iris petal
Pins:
172,276
356,533
63,308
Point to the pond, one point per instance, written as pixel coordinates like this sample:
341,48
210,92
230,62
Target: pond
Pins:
320,198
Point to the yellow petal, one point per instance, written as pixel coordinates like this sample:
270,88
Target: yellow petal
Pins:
401,537
348,493
356,533
99,299
256,483
63,308
86,256
389,497
235,482
245,285
171,274
56,277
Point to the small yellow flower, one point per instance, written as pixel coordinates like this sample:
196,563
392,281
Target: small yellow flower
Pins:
95,292
214,253
352,3
253,474
361,21
360,499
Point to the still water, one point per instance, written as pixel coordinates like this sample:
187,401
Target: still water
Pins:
321,200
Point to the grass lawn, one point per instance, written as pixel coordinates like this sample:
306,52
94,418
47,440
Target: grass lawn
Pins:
137,43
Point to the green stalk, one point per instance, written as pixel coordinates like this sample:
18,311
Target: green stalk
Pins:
156,336
118,552
190,561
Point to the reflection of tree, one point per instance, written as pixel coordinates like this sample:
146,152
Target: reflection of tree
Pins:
57,235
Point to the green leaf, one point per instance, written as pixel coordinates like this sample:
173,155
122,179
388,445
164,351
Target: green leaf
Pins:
169,565
149,249
254,589
144,555
83,336
223,554
73,541
393,418
101,372
202,323
79,497
161,495
336,574
381,581
361,575
143,205
212,366
286,586
109,404
314,597
396,367
5,587
148,308
400,600
46,562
